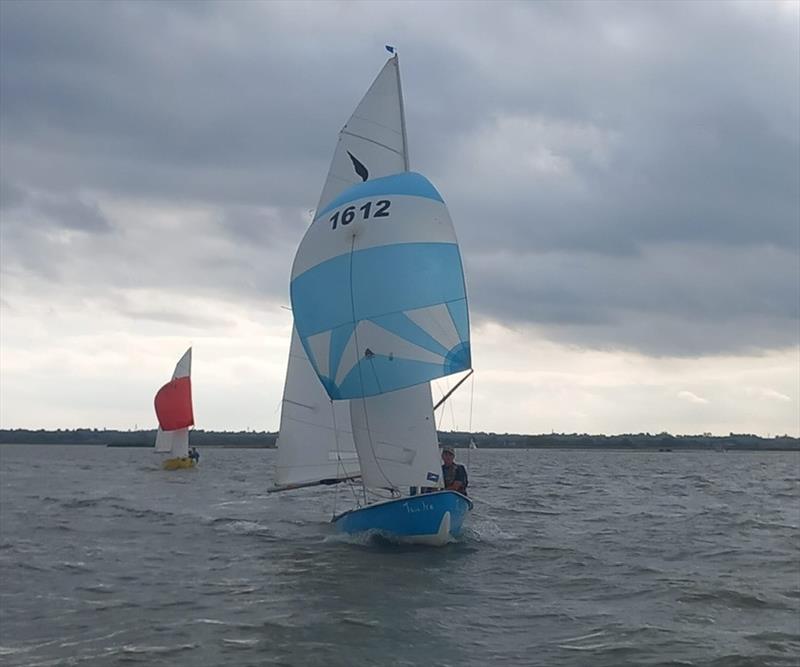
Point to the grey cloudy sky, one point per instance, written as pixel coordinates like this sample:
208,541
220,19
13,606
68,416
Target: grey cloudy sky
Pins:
624,179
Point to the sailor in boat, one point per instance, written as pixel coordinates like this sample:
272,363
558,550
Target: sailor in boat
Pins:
453,474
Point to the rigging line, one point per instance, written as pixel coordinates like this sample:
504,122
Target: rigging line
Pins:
361,377
453,417
352,487
471,401
471,439
339,464
374,372
443,394
435,425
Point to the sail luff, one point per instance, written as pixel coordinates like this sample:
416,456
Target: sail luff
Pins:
406,159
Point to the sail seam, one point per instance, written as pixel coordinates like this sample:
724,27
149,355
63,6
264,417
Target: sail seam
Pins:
309,423
374,122
404,134
372,141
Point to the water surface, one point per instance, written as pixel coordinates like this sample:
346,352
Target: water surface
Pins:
570,558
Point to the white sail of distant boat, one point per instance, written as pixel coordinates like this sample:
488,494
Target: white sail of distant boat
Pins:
173,405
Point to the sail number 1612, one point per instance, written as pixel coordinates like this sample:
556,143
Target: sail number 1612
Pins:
345,217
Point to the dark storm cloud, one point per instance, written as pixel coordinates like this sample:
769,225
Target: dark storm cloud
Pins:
620,175
694,296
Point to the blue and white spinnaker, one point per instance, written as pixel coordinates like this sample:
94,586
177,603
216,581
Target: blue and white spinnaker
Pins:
378,290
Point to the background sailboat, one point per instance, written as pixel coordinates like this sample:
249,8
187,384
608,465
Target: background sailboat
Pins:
380,310
173,404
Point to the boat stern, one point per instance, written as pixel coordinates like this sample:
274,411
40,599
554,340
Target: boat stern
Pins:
178,463
431,518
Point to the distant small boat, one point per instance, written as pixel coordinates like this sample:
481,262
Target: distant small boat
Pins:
173,404
472,444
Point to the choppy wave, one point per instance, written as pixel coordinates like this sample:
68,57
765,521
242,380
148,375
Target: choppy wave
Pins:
241,643
82,503
573,559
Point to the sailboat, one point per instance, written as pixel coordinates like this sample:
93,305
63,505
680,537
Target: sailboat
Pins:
173,404
380,310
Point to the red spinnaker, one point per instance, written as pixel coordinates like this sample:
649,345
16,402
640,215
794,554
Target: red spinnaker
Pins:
174,405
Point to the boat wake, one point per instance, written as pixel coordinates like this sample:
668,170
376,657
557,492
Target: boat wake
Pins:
377,538
486,532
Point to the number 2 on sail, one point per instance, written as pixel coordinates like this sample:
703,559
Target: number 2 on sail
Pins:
348,215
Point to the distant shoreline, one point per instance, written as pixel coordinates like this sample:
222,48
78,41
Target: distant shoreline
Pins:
577,448
660,442
581,448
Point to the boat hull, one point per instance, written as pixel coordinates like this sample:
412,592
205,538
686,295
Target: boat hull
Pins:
178,464
429,518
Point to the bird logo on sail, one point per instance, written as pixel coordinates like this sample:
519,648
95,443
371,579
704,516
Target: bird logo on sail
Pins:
359,167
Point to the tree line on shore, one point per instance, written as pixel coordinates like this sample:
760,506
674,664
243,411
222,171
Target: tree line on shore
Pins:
265,439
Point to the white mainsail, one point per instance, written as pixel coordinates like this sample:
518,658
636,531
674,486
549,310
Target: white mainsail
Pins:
315,441
373,141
